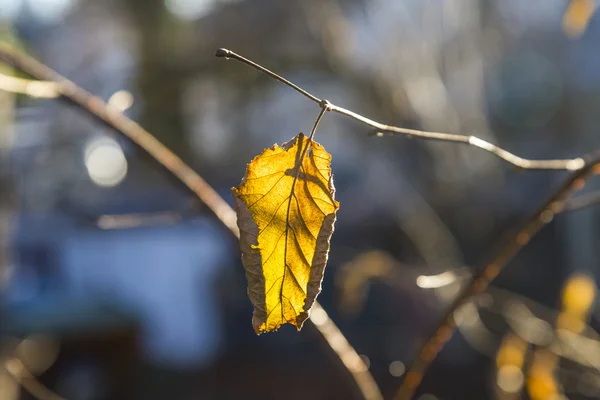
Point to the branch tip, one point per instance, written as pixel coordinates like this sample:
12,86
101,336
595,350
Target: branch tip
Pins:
222,52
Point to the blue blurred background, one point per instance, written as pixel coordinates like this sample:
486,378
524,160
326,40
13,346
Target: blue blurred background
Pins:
116,283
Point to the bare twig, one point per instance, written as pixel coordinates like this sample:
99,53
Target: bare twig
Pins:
40,89
22,376
353,362
583,201
127,127
569,165
230,54
128,221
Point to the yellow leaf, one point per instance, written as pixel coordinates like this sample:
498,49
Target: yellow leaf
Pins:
286,210
577,17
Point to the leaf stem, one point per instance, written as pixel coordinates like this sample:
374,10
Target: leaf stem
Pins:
325,106
21,375
523,163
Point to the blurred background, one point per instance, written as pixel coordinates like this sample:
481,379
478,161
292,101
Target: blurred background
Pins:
116,283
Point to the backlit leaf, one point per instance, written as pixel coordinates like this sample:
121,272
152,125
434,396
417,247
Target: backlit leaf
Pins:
286,210
577,17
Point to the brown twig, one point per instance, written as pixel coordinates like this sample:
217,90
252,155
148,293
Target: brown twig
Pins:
112,116
481,281
523,163
583,201
30,383
38,89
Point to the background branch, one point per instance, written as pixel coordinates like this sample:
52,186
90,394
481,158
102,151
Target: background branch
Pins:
113,117
22,376
39,89
14,367
481,281
583,201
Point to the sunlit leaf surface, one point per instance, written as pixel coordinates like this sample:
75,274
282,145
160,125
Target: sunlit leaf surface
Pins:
577,17
286,211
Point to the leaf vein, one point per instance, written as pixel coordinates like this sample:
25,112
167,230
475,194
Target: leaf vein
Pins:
274,248
273,216
268,191
302,217
309,194
295,279
273,285
266,175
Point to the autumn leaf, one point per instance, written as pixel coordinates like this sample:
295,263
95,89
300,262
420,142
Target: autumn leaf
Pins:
577,17
286,211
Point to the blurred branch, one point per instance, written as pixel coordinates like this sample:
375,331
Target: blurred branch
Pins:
352,361
577,17
530,321
128,221
40,89
481,281
132,130
569,165
22,376
580,202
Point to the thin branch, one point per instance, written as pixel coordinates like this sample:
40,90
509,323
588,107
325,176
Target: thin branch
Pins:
523,163
39,89
152,219
352,361
111,116
136,220
224,53
581,202
481,281
23,377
